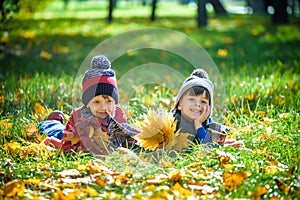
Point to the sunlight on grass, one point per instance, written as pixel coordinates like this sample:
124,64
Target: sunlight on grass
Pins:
98,9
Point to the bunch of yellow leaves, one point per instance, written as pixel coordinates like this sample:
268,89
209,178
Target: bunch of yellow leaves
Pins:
32,150
159,131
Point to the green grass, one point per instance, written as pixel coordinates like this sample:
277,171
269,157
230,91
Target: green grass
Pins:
259,65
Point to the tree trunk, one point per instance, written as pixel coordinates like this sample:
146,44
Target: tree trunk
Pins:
2,10
280,15
110,10
152,18
218,7
201,13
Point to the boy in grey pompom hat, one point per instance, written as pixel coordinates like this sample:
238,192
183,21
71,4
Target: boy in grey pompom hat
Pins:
194,105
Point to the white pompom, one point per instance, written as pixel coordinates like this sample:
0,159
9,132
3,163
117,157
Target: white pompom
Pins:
100,62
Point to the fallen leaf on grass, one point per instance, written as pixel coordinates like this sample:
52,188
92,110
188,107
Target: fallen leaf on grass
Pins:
274,167
180,191
233,179
258,194
14,188
31,133
40,112
5,124
12,147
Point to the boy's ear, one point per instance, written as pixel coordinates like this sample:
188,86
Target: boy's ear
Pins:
179,106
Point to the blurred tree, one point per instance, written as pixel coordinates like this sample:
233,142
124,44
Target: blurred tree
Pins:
9,8
110,10
152,18
202,15
201,11
280,15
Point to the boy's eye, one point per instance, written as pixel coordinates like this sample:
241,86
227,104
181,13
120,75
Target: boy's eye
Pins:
205,102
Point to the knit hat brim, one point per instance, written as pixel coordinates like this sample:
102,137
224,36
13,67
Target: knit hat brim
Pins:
100,89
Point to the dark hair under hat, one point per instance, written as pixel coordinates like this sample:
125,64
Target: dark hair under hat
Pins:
100,80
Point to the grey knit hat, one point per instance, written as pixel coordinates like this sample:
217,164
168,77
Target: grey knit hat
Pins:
99,80
198,78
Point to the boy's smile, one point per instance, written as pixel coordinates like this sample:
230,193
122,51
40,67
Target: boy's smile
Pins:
192,107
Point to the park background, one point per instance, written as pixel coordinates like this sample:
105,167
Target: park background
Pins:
42,49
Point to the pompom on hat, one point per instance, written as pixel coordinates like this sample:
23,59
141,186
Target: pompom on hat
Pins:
198,78
100,80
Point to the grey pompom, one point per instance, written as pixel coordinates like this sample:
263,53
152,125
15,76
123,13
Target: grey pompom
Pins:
100,62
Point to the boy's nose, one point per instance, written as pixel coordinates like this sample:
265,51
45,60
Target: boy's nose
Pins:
198,103
102,106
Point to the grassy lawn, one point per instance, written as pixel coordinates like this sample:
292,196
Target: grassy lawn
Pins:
258,63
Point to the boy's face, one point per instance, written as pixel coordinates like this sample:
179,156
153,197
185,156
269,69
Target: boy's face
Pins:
101,106
191,106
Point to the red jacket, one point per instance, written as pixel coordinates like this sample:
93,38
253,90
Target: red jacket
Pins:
77,132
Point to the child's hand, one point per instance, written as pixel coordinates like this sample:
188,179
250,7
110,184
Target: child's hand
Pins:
203,116
111,114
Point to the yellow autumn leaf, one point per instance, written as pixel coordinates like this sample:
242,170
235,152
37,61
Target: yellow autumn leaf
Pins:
40,112
181,191
92,132
228,166
158,131
12,147
179,143
222,53
70,136
5,124
14,188
39,109
46,55
37,151
153,142
232,180
250,96
262,113
59,195
176,176
33,181
271,170
260,192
